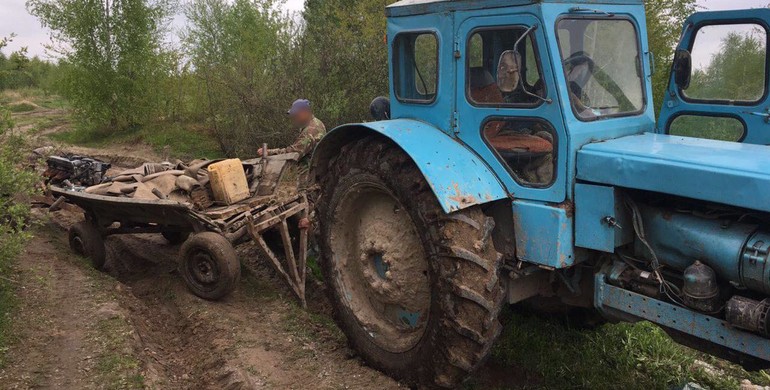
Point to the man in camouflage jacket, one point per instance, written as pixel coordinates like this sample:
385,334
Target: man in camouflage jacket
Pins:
311,129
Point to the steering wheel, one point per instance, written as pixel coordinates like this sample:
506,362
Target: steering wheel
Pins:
578,80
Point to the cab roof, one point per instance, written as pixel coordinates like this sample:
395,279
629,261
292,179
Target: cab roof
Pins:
419,7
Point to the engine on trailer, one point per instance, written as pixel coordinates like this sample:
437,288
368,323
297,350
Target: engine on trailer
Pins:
74,170
711,260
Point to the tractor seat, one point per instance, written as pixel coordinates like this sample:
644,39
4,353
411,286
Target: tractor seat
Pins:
522,143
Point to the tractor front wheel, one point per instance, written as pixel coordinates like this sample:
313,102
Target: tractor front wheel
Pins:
415,290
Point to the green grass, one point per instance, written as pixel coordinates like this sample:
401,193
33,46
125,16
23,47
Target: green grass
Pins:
176,140
116,367
613,356
315,268
35,95
21,107
8,305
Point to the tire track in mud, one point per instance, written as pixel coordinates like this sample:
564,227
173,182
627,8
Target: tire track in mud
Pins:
255,338
181,349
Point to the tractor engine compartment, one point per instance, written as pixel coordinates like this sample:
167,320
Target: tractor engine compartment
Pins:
711,259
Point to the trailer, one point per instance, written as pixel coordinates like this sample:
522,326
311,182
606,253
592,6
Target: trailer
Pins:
207,260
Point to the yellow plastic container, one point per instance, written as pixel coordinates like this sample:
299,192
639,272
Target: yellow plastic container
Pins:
228,181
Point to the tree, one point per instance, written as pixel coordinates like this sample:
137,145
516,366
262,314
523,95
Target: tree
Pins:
736,69
345,56
664,25
239,50
114,56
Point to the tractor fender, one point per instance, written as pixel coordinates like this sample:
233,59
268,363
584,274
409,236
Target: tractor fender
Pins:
457,176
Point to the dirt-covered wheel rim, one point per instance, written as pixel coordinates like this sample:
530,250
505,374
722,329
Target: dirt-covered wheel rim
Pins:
203,270
380,267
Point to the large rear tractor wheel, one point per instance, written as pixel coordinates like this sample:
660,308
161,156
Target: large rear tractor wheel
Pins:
209,265
86,241
416,291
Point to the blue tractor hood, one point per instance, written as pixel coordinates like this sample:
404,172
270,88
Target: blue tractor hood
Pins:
730,173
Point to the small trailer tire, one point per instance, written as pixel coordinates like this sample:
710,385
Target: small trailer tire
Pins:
209,265
175,237
85,240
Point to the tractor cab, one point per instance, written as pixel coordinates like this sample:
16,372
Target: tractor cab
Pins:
524,84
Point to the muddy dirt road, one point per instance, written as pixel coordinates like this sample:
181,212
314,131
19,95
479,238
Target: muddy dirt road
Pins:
138,326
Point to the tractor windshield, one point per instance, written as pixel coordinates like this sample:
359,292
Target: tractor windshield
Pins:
602,66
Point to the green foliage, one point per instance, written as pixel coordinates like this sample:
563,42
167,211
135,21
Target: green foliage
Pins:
17,184
20,71
240,51
113,61
344,63
735,72
711,127
664,25
22,107
170,139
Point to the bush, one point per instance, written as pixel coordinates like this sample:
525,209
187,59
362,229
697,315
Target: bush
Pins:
17,185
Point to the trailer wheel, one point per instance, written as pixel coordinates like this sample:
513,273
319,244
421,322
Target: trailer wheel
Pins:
86,241
209,265
416,291
175,237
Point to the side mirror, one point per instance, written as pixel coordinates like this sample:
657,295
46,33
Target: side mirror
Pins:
509,71
682,68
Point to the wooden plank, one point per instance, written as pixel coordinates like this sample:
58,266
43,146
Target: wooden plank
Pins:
288,249
268,253
296,274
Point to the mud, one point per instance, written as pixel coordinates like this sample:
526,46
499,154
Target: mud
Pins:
256,338
383,266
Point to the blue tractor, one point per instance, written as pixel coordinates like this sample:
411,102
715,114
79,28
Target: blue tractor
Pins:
518,161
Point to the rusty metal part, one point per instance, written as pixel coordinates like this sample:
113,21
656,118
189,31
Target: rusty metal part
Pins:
749,314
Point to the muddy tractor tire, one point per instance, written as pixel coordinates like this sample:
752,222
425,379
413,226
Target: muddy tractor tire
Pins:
86,240
175,237
415,290
209,265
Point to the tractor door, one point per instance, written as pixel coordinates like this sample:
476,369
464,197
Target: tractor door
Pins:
718,87
511,123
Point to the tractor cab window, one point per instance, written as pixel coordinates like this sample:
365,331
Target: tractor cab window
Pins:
728,64
415,67
603,67
484,50
526,146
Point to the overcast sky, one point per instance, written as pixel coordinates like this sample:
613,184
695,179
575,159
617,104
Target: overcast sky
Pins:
15,19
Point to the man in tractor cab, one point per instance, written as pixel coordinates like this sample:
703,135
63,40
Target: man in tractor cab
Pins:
311,130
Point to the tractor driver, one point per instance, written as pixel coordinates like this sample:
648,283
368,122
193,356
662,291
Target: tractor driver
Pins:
311,130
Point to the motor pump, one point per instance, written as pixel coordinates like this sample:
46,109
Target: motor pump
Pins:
77,170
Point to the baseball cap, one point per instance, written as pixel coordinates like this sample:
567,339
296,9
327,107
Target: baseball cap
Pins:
298,105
